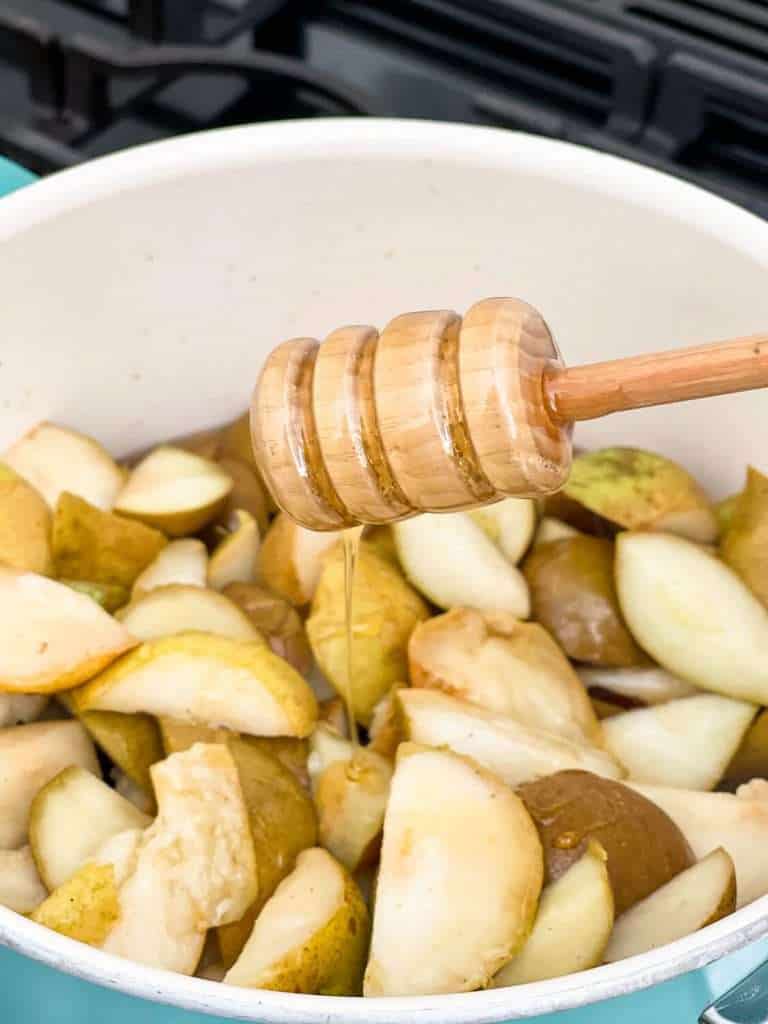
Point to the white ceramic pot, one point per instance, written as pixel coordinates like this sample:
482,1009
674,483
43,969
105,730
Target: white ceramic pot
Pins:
140,294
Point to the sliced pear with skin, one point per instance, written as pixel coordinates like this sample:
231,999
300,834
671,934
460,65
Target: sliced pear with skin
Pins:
453,562
517,753
109,596
292,559
182,608
54,459
277,619
385,610
131,741
510,524
177,736
573,595
647,686
693,614
552,529
326,747
20,886
25,524
175,491
195,867
572,927
744,545
641,490
311,936
182,561
248,492
686,743
52,638
351,797
70,819
504,665
737,822
31,755
100,547
698,896
386,731
292,752
207,680
21,708
235,558
460,843
283,823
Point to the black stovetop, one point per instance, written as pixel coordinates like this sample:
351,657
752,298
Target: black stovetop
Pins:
678,84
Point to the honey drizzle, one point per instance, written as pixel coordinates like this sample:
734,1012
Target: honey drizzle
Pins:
351,540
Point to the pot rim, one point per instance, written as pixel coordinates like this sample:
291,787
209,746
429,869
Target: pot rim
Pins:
385,139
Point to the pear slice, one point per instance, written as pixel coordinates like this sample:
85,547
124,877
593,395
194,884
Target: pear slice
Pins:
100,547
248,492
351,797
131,741
724,510
71,817
311,936
283,823
698,896
52,638
686,743
235,558
737,822
175,491
572,927
460,877
451,560
21,708
385,610
182,561
25,524
326,747
517,753
292,559
177,736
646,686
207,680
54,459
573,595
277,619
693,614
385,733
184,608
552,529
510,524
641,490
20,885
31,755
744,545
109,596
504,665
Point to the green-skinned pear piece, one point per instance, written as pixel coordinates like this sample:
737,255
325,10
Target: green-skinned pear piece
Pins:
640,490
504,665
698,896
311,936
32,755
52,638
277,619
291,559
460,877
385,610
453,562
175,491
204,679
110,596
71,817
54,459
693,614
744,545
25,524
572,927
100,547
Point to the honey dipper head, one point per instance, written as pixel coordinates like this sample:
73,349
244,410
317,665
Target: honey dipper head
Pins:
434,414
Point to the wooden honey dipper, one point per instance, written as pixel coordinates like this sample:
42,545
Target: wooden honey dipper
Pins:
437,413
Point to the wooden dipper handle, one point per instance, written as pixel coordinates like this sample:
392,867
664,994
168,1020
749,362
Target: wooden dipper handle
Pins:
437,413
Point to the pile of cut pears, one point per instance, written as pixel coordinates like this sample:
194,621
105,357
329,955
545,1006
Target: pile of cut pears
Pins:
564,756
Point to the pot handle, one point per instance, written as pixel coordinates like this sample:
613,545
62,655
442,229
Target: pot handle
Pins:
12,176
745,1003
